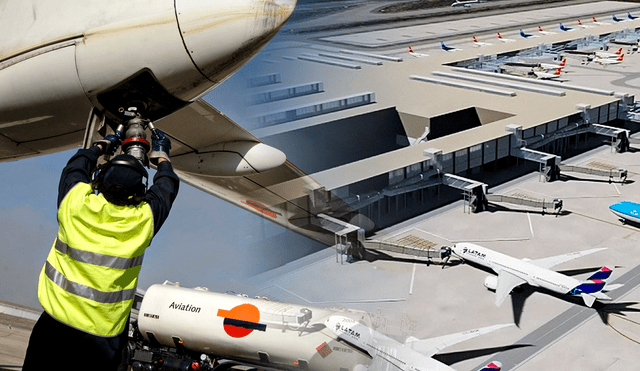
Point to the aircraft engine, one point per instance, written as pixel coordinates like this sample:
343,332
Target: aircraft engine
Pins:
491,282
114,54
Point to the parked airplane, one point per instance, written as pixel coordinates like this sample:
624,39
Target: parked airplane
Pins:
551,66
542,75
601,54
417,55
582,25
504,40
631,17
540,30
479,43
565,29
527,35
627,210
513,272
608,61
448,48
466,3
598,22
616,19
198,326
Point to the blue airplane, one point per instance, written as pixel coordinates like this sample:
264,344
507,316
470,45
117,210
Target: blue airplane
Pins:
448,48
631,17
563,28
616,19
627,210
526,35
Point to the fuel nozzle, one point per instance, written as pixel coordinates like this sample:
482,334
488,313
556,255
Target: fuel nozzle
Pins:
135,141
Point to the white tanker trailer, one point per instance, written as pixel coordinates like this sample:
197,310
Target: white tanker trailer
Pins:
194,329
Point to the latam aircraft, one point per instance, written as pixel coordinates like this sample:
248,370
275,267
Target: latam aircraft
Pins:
204,326
513,272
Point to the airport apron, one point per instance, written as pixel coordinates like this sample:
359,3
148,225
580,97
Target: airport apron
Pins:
90,276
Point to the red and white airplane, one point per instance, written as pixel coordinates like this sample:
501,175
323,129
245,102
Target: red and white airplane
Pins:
595,21
416,54
540,30
477,43
608,61
504,40
583,25
541,75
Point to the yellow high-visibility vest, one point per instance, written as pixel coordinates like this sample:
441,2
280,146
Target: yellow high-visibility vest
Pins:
89,279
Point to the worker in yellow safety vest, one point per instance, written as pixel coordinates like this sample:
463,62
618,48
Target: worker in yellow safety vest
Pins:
88,282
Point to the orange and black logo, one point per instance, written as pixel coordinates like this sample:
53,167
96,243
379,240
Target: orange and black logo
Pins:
241,320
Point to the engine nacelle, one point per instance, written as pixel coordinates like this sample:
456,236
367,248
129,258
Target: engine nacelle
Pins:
491,282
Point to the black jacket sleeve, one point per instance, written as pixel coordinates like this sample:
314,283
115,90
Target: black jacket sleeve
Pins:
162,193
78,170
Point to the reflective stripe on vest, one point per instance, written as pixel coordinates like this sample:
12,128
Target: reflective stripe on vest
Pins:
90,277
98,259
85,291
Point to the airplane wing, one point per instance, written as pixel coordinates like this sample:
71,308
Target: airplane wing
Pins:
205,142
555,260
506,282
429,347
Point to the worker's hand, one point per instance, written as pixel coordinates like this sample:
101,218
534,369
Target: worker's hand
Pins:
109,144
160,147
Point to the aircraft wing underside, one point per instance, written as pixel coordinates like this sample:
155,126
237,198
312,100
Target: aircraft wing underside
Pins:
284,195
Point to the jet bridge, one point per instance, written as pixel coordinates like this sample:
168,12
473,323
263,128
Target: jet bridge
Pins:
550,166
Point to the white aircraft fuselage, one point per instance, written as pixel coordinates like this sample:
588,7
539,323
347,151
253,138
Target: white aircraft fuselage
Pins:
513,272
534,275
59,59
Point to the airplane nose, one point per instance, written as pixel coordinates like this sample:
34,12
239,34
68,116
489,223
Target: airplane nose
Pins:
221,35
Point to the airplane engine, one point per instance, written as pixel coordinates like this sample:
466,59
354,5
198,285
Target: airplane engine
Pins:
491,282
65,57
181,328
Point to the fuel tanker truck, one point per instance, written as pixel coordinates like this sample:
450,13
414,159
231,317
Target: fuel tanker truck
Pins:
184,329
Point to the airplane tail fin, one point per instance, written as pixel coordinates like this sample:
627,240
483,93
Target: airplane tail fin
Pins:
474,39
580,22
499,36
492,366
564,62
562,27
522,33
558,71
619,51
594,19
602,274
